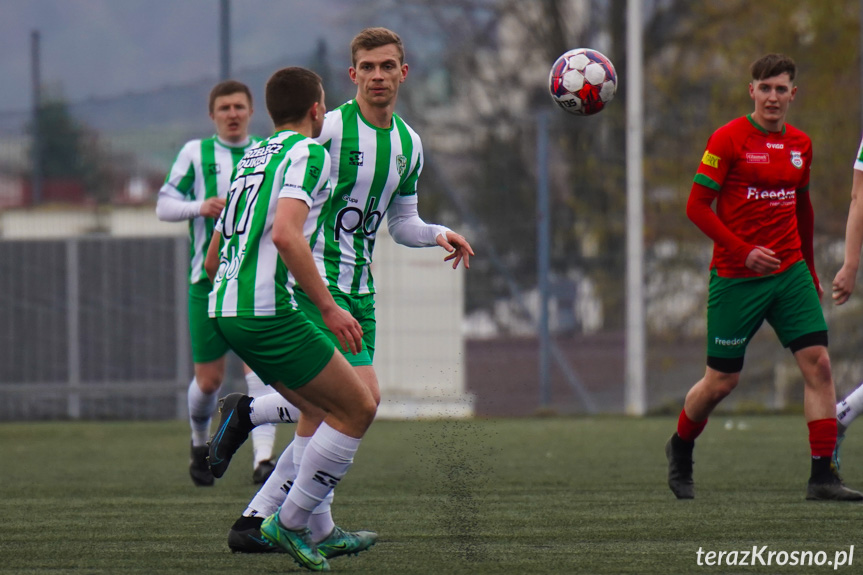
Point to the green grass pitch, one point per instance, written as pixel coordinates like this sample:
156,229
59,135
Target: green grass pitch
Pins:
550,495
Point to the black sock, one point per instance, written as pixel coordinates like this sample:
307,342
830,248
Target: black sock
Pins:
244,411
821,470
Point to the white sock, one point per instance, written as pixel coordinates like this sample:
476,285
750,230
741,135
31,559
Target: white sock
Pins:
201,408
273,492
326,460
849,408
321,522
300,444
273,408
263,436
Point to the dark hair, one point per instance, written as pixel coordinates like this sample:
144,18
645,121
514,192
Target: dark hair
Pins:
227,88
290,94
773,65
375,38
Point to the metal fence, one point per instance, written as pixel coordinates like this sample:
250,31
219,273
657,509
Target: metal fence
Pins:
93,328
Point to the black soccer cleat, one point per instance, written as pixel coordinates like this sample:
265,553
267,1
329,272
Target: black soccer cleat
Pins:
245,537
679,454
830,488
199,469
263,471
234,428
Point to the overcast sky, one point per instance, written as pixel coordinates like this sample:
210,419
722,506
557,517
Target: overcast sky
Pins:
107,47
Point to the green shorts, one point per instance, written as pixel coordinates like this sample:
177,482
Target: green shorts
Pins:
207,344
285,348
362,308
736,308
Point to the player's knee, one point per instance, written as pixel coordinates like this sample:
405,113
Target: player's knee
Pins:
721,385
208,383
820,372
367,410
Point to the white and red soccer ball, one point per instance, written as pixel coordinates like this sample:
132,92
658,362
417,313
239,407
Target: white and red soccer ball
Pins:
582,81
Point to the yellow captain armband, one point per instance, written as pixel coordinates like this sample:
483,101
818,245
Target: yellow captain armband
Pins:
710,159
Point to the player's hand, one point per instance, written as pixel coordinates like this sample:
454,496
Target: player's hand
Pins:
212,207
345,327
457,247
761,261
843,285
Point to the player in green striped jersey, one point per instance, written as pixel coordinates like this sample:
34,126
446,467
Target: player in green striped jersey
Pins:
376,162
195,191
278,201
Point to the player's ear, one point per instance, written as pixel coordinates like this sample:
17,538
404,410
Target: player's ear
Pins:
352,72
404,73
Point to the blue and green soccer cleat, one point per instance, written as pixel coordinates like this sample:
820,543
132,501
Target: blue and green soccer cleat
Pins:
298,544
341,542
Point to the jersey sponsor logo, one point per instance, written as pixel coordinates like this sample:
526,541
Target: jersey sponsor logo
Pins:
355,158
229,264
314,171
775,146
351,219
214,169
259,156
710,159
401,164
797,159
757,158
753,193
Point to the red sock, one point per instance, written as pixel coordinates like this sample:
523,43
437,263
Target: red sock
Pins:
687,429
822,437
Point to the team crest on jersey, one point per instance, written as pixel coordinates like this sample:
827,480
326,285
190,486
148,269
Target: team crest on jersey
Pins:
213,168
355,158
796,159
401,164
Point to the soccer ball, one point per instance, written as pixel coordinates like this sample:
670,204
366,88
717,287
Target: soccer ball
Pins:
582,81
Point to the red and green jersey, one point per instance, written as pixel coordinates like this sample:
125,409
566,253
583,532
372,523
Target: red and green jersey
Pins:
756,175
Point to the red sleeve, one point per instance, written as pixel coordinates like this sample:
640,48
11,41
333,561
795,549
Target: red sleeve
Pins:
806,229
702,215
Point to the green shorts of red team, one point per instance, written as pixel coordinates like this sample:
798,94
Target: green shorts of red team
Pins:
207,344
361,307
736,308
284,348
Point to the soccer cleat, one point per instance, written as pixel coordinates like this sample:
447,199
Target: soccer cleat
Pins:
298,544
245,537
263,471
341,542
837,461
231,434
679,454
199,469
831,489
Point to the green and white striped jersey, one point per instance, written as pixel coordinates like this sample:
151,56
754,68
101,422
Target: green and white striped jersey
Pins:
252,279
202,170
371,167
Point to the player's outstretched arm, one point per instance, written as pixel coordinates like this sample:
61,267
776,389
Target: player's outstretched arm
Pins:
408,229
846,278
457,246
295,252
